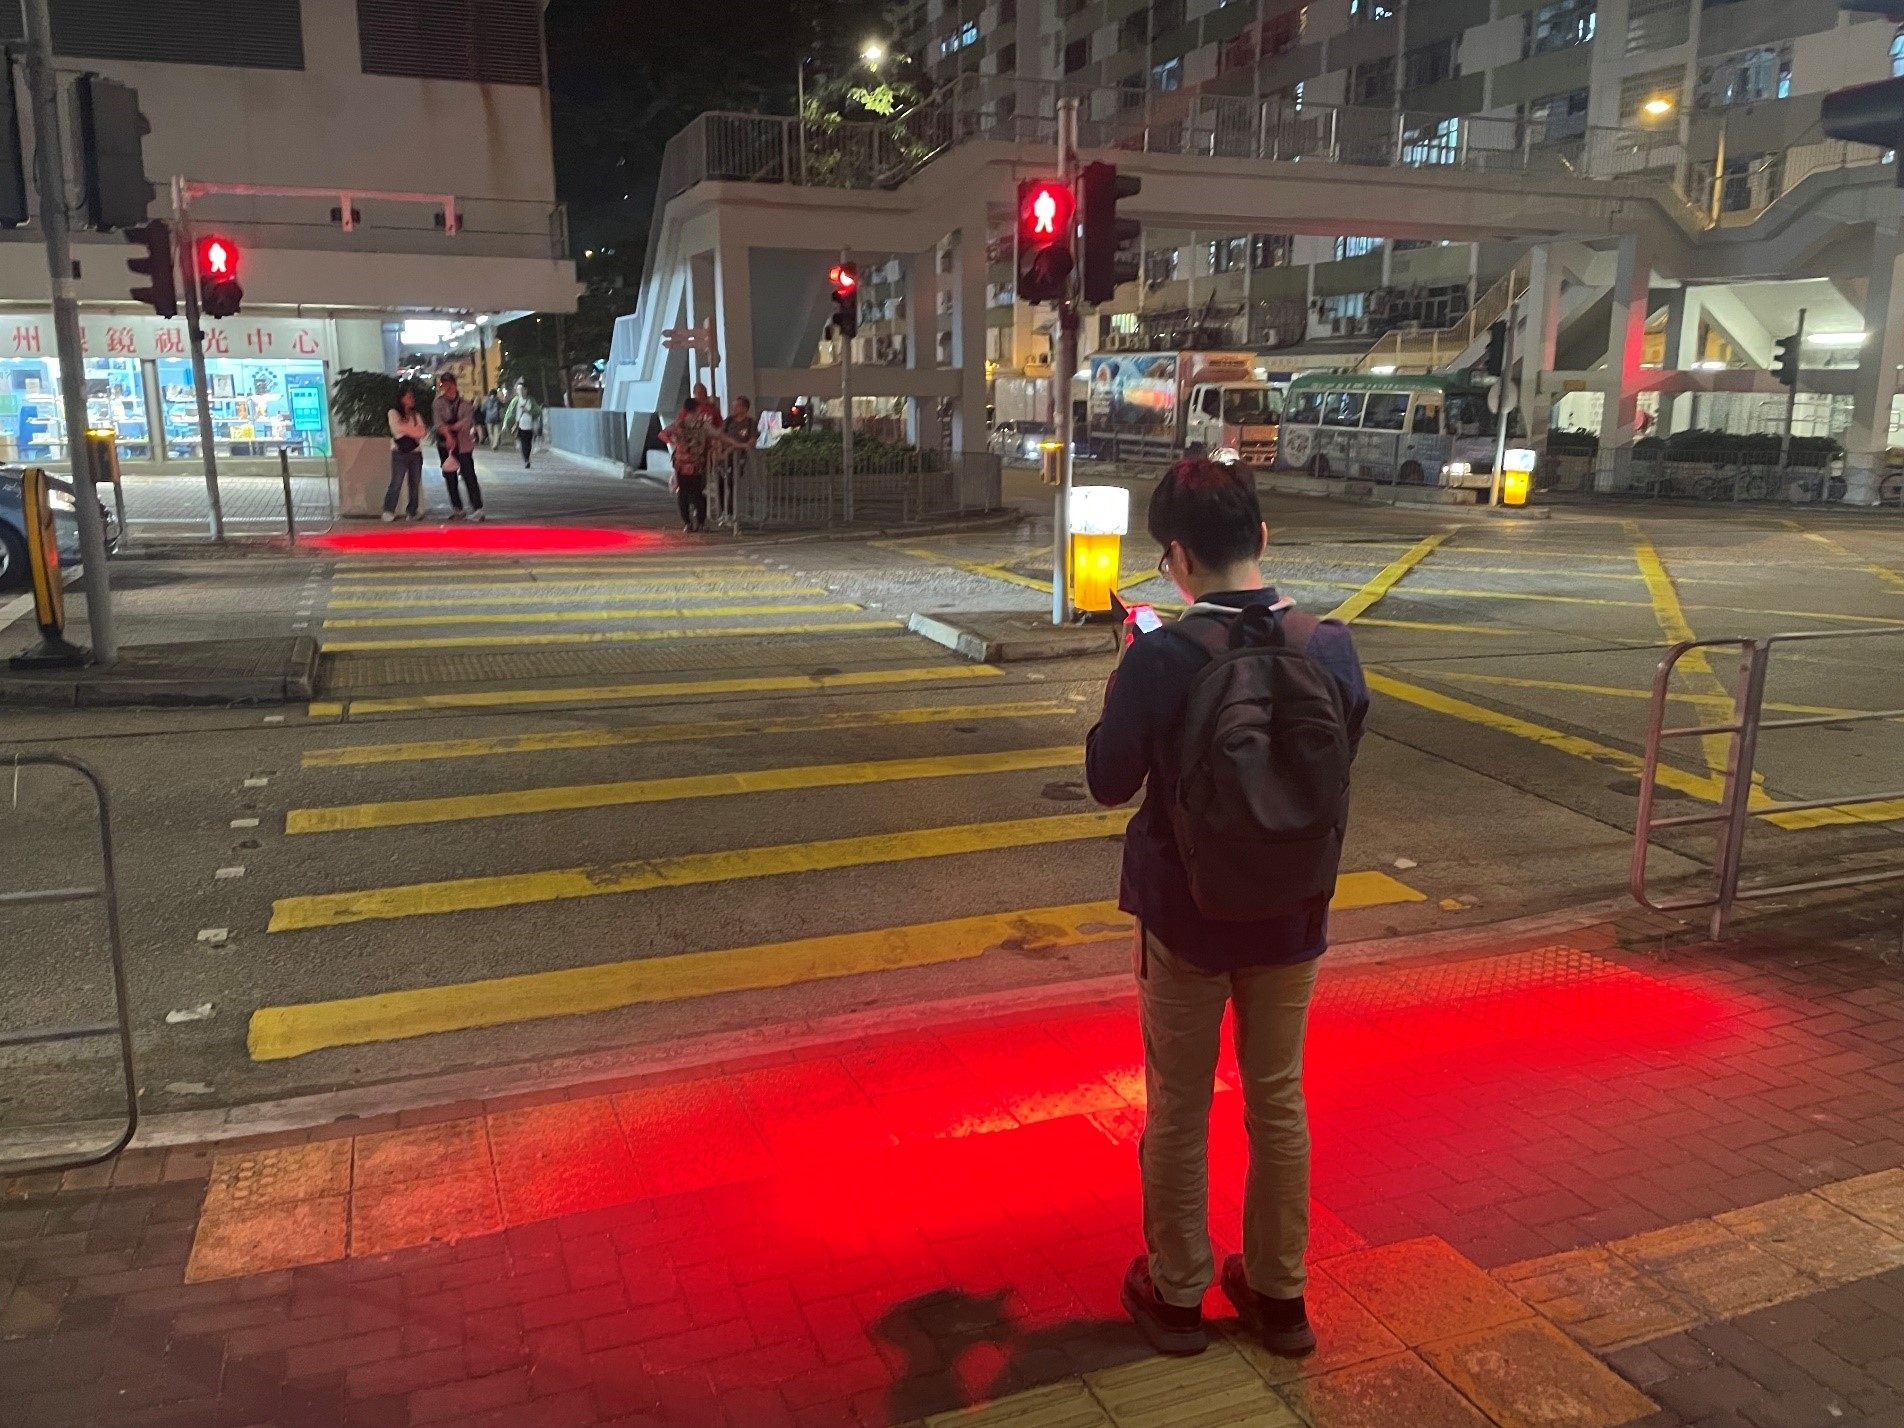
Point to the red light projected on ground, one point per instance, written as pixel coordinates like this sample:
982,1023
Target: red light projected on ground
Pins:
497,539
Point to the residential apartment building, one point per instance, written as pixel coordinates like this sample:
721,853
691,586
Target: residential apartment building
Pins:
337,104
1690,88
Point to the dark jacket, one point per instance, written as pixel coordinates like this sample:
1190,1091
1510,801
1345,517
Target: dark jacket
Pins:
1136,745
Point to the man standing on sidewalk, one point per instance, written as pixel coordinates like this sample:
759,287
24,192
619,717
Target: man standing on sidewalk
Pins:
455,419
1239,722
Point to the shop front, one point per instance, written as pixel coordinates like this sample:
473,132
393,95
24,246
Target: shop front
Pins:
269,380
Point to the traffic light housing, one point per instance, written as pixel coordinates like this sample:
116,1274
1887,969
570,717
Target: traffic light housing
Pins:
155,265
112,153
1496,348
1867,114
1111,254
13,209
1785,362
1047,220
215,264
845,280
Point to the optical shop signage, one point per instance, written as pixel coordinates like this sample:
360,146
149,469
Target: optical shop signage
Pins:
268,339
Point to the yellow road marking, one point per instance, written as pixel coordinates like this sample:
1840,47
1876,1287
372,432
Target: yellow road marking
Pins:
1384,580
1363,624
1671,618
685,731
595,637
519,565
975,567
621,693
695,575
1885,573
645,874
1891,812
1697,785
566,797
280,1032
549,592
1722,702
552,617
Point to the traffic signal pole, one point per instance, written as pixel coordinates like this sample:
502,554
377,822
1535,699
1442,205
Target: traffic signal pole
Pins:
846,411
1791,394
49,162
1062,371
187,249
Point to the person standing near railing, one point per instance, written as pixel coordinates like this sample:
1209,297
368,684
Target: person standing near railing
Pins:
690,442
740,434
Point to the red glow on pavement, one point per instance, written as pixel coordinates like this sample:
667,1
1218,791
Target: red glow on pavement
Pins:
488,539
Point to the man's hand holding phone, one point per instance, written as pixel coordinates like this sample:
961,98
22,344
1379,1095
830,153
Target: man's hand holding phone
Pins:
1133,620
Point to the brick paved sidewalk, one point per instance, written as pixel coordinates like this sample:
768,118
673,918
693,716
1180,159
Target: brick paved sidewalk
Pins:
1573,1185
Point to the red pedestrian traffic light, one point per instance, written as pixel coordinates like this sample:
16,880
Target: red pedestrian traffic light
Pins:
215,260
845,280
1047,222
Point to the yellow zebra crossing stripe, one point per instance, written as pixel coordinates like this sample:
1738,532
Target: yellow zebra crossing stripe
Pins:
294,914
567,798
559,740
277,1033
535,617
600,637
548,594
667,689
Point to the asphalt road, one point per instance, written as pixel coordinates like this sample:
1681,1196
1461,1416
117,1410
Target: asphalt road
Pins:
670,786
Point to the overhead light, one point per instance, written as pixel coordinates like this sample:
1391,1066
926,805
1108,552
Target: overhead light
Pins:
427,331
874,53
1835,339
1658,107
1387,371
1709,365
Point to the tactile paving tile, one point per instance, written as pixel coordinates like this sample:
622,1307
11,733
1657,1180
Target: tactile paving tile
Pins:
1063,1405
1216,1389
251,1180
1449,983
1599,1298
1530,1375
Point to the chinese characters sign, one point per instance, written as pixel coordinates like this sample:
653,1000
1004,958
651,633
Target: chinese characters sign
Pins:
267,338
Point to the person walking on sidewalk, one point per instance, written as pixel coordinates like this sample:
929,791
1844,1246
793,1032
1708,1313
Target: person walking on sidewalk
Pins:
690,442
455,421
492,409
521,418
1239,722
407,430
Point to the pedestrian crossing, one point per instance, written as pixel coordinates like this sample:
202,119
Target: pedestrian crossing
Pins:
462,854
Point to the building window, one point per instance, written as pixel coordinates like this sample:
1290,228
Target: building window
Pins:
1134,32
257,34
480,41
1077,55
1168,75
1897,53
1748,77
1272,250
1165,16
966,34
1374,82
1007,12
1371,10
1284,32
1229,255
1557,25
1356,247
1008,59
1436,143
1431,64
1160,266
1639,90
1556,118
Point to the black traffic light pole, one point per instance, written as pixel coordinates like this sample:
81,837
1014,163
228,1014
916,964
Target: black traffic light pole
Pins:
187,246
1791,394
50,162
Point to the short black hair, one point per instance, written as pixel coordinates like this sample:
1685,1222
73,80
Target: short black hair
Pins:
1211,511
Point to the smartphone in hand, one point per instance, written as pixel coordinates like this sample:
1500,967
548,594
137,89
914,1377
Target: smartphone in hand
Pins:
1134,620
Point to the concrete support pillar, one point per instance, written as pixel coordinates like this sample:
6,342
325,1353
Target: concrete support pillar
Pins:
1872,391
1626,342
1682,352
969,432
1539,338
734,323
920,279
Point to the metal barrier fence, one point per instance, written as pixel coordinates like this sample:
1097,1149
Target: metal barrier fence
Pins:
120,1028
589,431
1736,810
1849,484
811,493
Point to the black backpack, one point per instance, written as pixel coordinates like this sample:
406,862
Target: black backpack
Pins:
1263,793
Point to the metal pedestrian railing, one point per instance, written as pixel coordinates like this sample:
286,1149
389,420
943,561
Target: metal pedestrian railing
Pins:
1736,804
120,1027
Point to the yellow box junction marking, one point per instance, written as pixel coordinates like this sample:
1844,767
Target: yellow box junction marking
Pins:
632,875
546,617
696,730
566,798
1674,625
669,689
975,567
279,1032
1385,579
1720,702
600,637
1890,577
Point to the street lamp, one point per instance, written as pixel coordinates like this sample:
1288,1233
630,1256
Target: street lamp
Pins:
873,53
1658,107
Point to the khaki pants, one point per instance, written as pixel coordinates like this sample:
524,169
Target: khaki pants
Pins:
1182,1010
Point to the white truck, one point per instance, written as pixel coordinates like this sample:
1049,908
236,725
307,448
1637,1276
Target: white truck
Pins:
1151,406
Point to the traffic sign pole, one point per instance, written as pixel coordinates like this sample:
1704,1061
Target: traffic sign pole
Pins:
50,165
201,386
1791,394
846,411
1062,371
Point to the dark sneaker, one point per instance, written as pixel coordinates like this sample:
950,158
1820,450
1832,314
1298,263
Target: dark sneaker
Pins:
1279,1325
1170,1330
